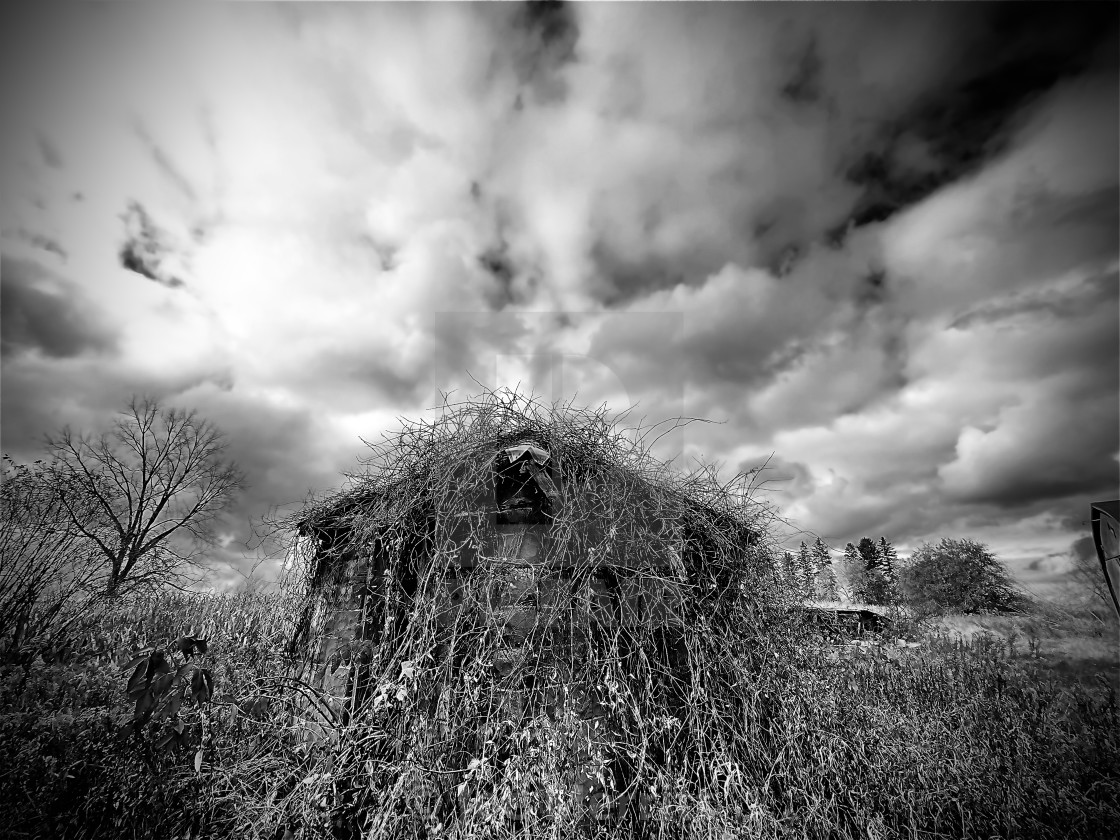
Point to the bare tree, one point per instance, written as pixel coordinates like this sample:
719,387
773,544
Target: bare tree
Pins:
160,481
49,569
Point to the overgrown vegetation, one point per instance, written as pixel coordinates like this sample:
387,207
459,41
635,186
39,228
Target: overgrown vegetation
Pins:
959,576
547,686
948,739
639,673
83,756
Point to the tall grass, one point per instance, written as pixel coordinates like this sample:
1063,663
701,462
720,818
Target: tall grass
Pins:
950,739
68,772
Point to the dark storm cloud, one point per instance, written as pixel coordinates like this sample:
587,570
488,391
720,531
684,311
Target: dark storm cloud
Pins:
546,34
1059,443
625,278
871,289
285,452
1088,475
745,330
42,394
805,85
43,311
908,99
146,249
1055,456
863,237
497,262
1015,53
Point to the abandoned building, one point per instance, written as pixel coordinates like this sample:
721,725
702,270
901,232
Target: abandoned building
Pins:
534,557
507,538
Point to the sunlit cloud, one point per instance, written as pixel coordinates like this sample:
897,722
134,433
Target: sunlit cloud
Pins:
877,246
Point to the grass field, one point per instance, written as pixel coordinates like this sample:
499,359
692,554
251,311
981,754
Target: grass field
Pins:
1078,645
964,726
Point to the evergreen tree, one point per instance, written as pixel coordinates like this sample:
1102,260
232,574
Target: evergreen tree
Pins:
869,552
855,572
807,573
888,570
826,575
872,565
789,571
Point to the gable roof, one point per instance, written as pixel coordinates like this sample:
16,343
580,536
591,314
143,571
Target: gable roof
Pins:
447,467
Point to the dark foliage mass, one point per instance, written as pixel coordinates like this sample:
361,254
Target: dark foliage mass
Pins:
959,576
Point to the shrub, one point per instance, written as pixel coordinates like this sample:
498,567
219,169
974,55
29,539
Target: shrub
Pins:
959,576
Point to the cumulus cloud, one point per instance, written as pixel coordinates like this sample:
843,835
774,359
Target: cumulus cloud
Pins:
43,312
999,300
879,244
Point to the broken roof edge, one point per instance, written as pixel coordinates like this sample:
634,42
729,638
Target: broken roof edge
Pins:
574,442
342,510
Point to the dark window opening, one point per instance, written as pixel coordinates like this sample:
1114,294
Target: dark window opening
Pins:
522,488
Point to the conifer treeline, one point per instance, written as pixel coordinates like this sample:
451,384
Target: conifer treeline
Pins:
810,572
871,572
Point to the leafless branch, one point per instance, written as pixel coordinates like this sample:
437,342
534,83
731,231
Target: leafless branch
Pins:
159,480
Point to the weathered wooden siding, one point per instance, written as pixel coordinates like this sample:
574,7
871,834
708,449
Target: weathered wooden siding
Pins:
547,615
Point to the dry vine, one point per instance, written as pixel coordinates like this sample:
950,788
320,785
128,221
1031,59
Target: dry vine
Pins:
602,677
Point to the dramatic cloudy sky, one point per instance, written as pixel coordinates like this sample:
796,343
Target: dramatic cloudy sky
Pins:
878,244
